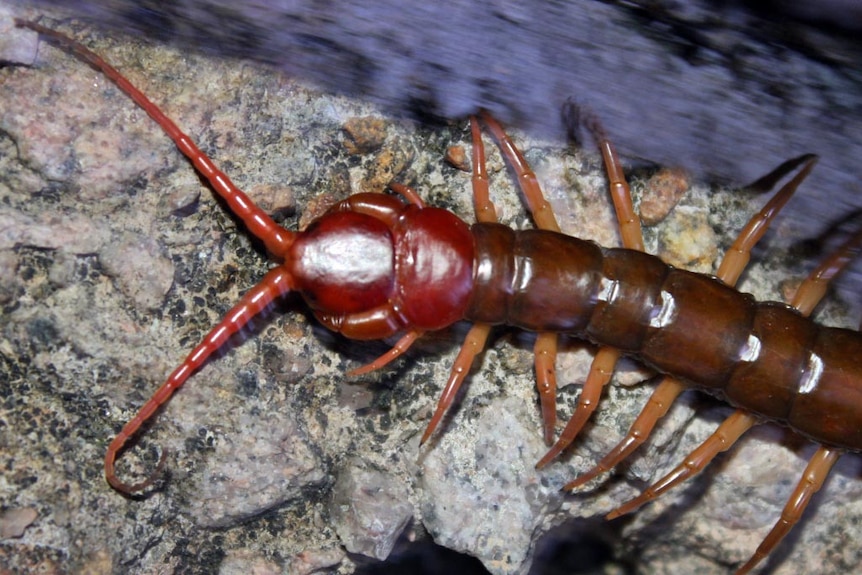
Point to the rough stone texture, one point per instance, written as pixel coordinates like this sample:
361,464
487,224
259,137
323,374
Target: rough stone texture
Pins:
267,429
370,509
14,48
726,89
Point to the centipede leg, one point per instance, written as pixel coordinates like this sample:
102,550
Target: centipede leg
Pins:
657,407
808,295
539,207
401,346
473,344
727,433
545,354
628,220
815,474
806,298
737,257
812,290
601,370
734,261
545,348
602,367
476,338
729,270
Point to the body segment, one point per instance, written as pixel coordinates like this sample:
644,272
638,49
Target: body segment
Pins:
764,357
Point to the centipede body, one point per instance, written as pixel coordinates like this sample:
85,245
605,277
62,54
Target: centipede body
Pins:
233,273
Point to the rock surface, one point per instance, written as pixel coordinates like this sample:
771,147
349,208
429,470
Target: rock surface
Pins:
263,437
724,89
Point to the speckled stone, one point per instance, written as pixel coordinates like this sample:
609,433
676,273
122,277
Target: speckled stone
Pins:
727,90
259,439
370,508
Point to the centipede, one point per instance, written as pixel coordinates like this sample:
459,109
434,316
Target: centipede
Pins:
377,266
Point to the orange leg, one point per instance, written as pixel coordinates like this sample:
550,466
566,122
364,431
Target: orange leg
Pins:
601,370
659,403
739,254
814,287
473,344
545,349
727,433
483,207
732,265
812,480
476,338
545,354
606,358
630,224
539,207
397,351
806,298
